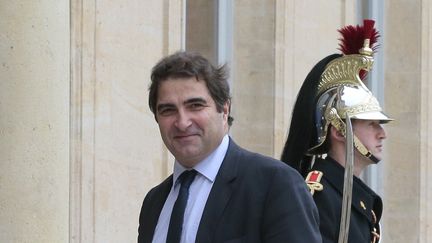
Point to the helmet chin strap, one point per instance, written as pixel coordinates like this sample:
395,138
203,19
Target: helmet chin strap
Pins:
364,151
334,119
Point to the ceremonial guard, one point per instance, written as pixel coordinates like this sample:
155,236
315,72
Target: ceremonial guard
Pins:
333,98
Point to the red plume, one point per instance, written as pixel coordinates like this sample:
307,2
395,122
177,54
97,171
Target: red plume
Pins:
354,36
353,39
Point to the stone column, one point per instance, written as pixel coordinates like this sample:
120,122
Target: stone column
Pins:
276,43
117,154
301,41
425,127
407,183
34,121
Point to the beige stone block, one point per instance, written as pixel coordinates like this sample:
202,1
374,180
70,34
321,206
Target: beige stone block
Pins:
34,121
402,198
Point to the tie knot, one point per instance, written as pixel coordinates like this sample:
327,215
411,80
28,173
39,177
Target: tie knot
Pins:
186,178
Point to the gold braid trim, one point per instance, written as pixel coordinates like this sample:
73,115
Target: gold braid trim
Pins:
313,181
374,232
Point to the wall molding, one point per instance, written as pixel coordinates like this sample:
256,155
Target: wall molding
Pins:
82,121
425,129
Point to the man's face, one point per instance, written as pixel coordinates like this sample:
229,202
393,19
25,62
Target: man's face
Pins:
371,134
189,123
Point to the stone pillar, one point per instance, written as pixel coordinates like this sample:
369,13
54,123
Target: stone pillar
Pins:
34,121
253,74
407,184
302,41
425,125
276,43
117,154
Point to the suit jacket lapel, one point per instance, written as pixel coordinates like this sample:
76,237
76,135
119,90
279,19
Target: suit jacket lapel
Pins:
158,199
219,194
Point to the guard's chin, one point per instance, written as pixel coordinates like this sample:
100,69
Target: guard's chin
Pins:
376,158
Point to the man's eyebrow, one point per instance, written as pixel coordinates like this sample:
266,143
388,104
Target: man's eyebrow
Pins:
196,100
188,101
162,106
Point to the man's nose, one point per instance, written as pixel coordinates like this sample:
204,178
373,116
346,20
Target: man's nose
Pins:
382,133
183,120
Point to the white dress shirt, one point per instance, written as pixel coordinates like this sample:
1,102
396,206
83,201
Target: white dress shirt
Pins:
198,194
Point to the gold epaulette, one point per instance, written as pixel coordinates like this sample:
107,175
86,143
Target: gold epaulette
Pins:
313,181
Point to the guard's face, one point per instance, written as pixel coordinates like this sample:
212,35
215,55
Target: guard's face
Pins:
189,123
371,134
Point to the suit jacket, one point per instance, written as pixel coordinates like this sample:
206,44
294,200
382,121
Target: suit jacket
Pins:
253,199
365,203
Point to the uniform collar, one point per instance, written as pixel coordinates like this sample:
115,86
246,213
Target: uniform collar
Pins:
364,199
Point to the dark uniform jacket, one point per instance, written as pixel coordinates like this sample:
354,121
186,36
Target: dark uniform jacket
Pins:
253,199
366,207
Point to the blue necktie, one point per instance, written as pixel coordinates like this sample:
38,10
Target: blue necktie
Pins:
177,215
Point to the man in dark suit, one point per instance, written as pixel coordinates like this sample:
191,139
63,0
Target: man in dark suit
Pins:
226,194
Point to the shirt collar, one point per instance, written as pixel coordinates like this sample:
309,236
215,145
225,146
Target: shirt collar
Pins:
208,167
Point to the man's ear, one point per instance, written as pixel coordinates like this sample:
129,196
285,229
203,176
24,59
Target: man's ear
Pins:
336,135
226,109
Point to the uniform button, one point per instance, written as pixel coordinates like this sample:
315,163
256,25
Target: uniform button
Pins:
362,205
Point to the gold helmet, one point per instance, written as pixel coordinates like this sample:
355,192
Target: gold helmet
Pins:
332,89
